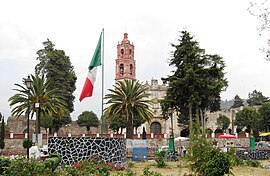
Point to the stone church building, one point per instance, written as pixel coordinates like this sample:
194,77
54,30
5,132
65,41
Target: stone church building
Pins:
125,68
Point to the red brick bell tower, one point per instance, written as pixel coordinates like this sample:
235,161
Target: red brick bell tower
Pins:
125,63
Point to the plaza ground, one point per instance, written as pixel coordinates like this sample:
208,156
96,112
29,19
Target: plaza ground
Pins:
179,169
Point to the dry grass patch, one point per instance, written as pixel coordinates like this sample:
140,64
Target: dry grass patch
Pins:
180,169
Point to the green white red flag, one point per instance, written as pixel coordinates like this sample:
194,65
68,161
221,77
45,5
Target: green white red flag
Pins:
88,87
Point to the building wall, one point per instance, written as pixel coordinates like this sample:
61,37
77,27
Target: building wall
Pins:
157,92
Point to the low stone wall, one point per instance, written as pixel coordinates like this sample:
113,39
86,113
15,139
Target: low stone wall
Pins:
75,149
254,154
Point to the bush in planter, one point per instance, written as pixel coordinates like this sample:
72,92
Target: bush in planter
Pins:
27,143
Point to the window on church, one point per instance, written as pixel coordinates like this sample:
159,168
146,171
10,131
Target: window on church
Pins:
122,51
130,69
129,51
155,128
121,69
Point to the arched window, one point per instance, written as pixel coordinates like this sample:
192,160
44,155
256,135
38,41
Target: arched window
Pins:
155,128
122,51
121,69
130,69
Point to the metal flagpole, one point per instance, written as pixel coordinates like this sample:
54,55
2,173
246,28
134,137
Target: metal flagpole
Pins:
102,92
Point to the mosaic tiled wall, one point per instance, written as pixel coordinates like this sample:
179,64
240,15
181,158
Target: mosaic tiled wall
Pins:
75,149
254,154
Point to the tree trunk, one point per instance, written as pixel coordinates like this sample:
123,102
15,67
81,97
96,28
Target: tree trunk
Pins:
190,119
130,128
39,122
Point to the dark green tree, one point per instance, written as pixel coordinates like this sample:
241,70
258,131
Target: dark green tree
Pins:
196,83
117,124
223,122
46,121
237,102
248,117
88,119
264,111
2,132
256,98
137,122
59,122
55,65
128,99
144,134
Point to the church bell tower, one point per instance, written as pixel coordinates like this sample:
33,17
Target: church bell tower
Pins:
125,63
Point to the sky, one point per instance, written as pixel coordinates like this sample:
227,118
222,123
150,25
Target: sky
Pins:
223,27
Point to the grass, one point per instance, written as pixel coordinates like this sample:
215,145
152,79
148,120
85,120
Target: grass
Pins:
180,169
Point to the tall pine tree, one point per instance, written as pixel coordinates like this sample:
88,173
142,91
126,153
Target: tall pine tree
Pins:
57,66
196,82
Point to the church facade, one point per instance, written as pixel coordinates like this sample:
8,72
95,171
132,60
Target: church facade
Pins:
125,68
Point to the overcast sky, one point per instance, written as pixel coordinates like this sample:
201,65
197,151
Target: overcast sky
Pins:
221,27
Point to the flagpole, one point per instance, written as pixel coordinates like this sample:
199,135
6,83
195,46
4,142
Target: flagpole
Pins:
102,91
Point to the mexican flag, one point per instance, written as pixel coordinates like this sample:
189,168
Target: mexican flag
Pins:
92,72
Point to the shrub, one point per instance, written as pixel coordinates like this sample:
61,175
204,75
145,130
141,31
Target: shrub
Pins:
147,172
160,159
205,159
52,162
236,161
4,163
130,173
232,151
253,163
24,167
214,163
130,164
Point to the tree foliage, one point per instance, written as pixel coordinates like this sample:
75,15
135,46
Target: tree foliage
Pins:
196,82
256,98
59,122
43,92
237,102
88,119
223,122
264,111
248,117
117,123
53,123
57,66
128,100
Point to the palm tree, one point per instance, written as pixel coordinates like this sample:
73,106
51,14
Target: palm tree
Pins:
42,92
129,99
